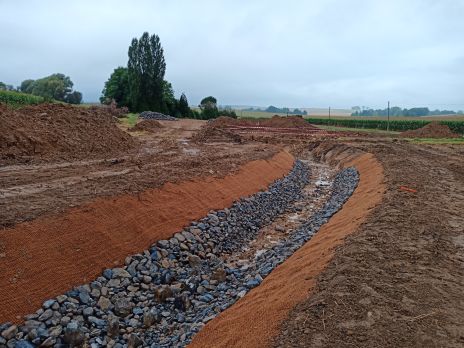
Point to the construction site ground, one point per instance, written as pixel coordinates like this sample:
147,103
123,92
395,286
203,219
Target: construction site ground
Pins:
386,270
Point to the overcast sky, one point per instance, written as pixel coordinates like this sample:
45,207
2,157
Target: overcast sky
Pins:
286,53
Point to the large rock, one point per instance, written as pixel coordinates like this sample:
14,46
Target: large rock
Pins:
123,307
74,335
113,326
10,332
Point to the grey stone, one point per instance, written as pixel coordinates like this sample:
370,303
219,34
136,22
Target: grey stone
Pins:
50,341
47,304
46,315
87,311
113,326
100,323
134,341
114,283
147,279
120,273
163,244
23,344
194,260
179,237
73,334
104,303
10,332
151,317
84,297
123,307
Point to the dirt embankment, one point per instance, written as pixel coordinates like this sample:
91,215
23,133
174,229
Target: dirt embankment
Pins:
56,132
50,255
254,320
431,130
398,281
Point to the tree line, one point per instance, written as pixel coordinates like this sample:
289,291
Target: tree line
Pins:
397,111
276,110
54,87
141,85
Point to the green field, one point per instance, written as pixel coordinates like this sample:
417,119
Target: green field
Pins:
262,114
396,124
17,99
366,130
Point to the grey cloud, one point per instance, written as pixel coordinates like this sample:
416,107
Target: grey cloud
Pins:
293,53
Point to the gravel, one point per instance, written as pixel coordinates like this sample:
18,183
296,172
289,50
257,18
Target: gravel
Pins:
151,115
166,294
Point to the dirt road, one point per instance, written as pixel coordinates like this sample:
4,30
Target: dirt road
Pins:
398,281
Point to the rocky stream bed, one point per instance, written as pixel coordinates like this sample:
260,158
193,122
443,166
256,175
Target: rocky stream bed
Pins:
166,294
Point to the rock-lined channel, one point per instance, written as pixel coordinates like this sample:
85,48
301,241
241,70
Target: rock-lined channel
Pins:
163,296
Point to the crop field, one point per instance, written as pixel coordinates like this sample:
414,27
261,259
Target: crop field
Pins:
151,227
382,124
17,99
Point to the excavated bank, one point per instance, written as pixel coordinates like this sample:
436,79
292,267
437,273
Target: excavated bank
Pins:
48,256
255,319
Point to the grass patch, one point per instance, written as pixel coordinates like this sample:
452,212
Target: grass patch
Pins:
437,141
130,120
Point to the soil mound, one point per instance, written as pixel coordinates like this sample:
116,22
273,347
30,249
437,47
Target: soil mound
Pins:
223,121
275,122
431,130
213,133
151,126
286,122
56,132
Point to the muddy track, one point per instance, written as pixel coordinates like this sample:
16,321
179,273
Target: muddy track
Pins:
398,281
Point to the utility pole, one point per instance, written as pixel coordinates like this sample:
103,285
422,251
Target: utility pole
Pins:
329,112
388,117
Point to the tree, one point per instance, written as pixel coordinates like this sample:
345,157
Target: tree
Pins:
73,98
169,100
146,69
209,108
117,88
55,86
5,87
183,106
26,86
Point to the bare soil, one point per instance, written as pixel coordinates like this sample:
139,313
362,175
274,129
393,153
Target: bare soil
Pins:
28,191
398,281
56,132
